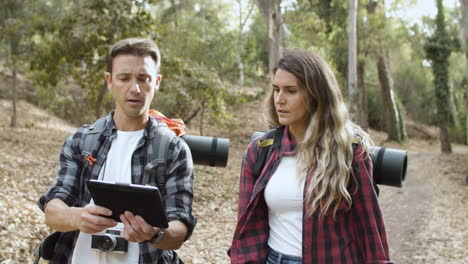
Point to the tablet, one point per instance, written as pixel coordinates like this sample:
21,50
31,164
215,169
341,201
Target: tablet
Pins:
142,200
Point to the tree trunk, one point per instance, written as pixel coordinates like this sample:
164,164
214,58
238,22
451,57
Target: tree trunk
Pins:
438,51
353,97
100,98
192,116
361,72
444,139
272,12
275,37
173,4
440,71
13,95
393,110
453,107
14,43
464,4
202,116
240,47
391,115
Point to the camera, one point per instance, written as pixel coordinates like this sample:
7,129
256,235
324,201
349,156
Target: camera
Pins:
111,241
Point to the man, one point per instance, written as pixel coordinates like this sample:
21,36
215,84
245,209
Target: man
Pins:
120,154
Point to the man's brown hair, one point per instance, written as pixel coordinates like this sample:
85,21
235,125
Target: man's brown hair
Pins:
134,46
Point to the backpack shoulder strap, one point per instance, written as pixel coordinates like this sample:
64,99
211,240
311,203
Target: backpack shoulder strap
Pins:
92,135
157,157
356,143
270,140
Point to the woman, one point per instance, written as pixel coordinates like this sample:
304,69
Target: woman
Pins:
314,201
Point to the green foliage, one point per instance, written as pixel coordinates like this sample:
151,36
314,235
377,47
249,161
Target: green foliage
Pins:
438,48
256,47
374,108
69,60
190,88
74,47
197,39
401,116
412,82
63,43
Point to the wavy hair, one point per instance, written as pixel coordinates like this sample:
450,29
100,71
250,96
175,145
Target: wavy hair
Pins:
326,149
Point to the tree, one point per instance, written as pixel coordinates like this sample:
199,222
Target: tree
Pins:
464,4
353,95
438,48
12,28
240,45
191,89
73,50
277,30
393,110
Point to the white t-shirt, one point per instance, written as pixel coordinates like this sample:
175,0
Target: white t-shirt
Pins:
117,169
284,198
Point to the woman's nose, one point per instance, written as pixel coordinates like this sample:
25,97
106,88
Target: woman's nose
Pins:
280,98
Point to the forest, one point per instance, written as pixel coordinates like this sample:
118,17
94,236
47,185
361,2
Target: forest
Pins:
213,48
405,82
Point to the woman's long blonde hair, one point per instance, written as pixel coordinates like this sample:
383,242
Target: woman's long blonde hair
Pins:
326,149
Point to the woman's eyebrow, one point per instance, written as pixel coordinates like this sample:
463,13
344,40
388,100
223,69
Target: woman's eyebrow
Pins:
285,86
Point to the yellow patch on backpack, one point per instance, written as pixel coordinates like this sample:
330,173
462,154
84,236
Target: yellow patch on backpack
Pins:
265,143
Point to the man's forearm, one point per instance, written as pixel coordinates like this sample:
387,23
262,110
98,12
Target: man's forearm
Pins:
174,236
59,216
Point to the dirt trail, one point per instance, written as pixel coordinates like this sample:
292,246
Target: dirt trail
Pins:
408,209
426,220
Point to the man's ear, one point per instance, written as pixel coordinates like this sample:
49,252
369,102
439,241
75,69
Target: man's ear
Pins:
108,77
158,81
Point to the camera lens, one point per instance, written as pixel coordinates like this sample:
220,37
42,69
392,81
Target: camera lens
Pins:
106,243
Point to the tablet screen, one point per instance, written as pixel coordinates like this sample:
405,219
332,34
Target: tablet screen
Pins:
142,200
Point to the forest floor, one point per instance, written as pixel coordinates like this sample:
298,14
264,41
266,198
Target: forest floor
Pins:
425,220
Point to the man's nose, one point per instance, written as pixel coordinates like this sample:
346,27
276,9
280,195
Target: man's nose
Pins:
135,88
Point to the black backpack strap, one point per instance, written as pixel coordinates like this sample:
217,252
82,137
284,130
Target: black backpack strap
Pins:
270,140
356,143
92,136
90,139
157,158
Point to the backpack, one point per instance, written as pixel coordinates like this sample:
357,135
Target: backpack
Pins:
271,140
45,249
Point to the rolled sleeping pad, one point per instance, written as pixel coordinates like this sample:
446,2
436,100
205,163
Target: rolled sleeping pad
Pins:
209,151
389,164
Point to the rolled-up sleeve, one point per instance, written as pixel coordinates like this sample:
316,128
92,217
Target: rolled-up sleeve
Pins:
179,185
366,211
66,187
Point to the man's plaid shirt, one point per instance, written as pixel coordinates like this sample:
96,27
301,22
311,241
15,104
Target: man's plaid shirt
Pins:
357,236
177,194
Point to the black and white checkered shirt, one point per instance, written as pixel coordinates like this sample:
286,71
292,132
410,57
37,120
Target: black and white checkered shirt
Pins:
177,192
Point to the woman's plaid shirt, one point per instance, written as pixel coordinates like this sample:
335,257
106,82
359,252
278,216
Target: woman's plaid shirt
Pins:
357,235
178,194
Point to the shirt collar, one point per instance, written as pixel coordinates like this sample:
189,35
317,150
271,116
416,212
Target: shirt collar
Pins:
111,128
288,143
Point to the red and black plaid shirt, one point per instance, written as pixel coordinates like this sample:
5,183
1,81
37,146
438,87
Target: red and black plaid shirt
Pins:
356,236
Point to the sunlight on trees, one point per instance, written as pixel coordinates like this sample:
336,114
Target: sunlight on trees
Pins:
210,47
